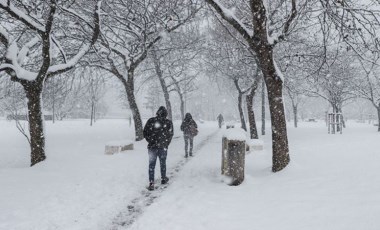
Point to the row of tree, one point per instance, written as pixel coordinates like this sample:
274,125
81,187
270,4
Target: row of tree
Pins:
309,47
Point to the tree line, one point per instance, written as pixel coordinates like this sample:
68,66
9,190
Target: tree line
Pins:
296,48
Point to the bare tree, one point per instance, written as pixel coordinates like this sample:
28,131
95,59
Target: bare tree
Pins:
95,90
161,78
13,103
175,59
183,84
249,100
55,93
261,39
369,85
140,25
296,96
334,81
263,108
228,58
37,51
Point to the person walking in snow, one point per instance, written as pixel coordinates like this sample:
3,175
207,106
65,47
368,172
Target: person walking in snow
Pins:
158,132
190,130
220,120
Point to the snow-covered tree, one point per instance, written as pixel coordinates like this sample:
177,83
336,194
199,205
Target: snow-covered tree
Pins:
43,39
130,30
178,55
262,26
94,85
368,87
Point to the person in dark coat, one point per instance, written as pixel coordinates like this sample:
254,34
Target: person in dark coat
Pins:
158,132
220,120
190,130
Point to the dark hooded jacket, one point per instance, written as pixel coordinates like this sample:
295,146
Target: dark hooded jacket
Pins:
186,125
158,130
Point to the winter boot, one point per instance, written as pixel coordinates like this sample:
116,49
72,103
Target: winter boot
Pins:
164,180
191,154
151,186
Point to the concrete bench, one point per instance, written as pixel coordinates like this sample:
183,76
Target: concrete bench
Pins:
230,126
113,147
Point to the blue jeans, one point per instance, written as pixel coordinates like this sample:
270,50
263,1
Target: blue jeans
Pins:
161,153
188,140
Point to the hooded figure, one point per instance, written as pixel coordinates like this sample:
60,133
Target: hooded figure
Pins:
158,132
220,120
190,130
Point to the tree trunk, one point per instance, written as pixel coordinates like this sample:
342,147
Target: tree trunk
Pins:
53,118
167,99
341,116
378,118
241,113
129,87
92,113
295,114
263,108
262,47
162,83
251,115
280,147
336,111
37,138
182,106
54,93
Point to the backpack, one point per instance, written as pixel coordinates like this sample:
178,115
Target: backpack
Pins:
193,130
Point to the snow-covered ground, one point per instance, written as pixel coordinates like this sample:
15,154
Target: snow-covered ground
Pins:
333,182
78,186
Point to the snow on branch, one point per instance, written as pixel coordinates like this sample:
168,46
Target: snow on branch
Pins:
13,64
4,36
75,14
274,39
230,17
15,57
25,50
56,69
58,45
21,16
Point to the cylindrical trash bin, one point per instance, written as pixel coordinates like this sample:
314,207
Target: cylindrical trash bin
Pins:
233,159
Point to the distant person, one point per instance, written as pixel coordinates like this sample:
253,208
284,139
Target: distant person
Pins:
220,120
158,132
190,130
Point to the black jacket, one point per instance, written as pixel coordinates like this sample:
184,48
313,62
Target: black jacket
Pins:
158,130
187,123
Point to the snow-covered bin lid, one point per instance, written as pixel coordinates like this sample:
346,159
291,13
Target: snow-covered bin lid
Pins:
255,142
237,134
119,142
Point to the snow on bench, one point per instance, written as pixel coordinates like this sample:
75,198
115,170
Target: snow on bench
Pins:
254,144
113,147
230,125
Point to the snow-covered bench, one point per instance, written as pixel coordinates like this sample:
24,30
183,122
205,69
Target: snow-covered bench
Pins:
254,144
113,147
230,125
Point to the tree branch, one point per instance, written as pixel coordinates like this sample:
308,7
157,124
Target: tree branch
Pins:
231,18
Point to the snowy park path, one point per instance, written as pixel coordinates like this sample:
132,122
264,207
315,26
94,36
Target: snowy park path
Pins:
140,203
332,182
